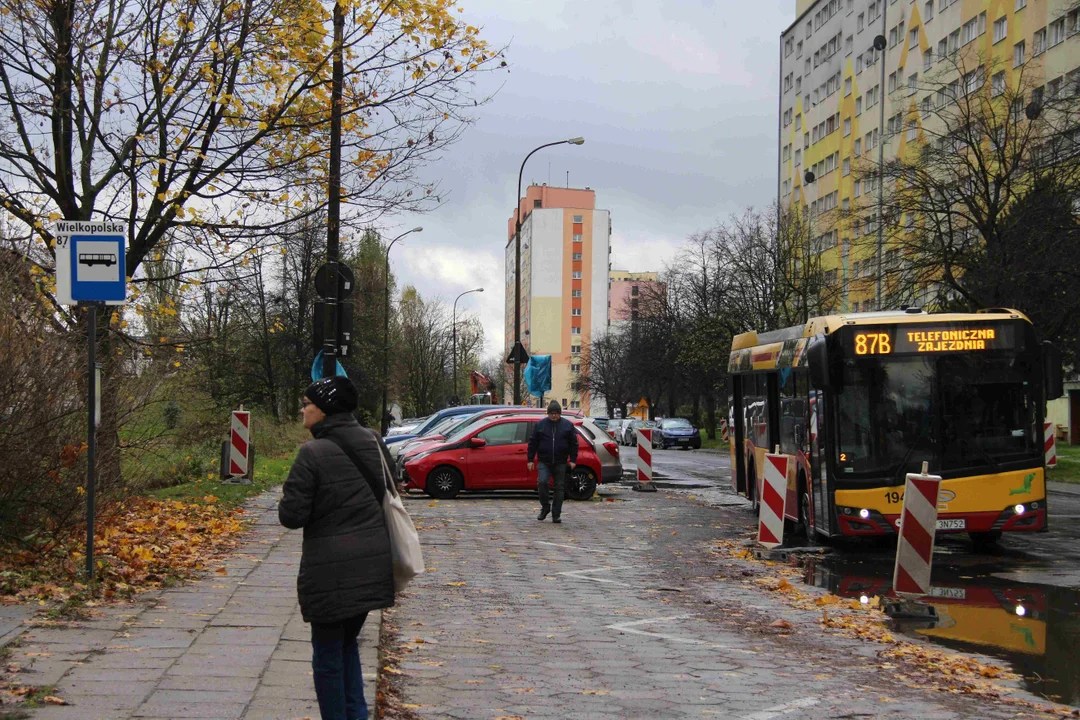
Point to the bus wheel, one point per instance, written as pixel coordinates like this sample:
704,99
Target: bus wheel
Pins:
985,540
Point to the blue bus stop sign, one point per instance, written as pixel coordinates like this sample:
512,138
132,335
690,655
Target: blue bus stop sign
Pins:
97,267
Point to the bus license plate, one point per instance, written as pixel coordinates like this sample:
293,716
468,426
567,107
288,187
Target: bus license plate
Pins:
959,524
948,593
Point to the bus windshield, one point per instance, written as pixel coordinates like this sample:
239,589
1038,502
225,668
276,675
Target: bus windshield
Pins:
957,412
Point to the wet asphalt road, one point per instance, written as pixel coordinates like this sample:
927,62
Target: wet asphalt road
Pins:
1018,602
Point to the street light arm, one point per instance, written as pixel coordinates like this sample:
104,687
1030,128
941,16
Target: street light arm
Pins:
521,172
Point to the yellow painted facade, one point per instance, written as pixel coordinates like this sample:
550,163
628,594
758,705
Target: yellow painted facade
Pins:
853,24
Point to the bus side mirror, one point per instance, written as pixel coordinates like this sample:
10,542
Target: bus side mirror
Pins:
817,355
1054,377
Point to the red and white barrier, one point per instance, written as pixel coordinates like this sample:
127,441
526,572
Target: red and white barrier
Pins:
918,527
644,456
773,496
240,445
725,431
1049,445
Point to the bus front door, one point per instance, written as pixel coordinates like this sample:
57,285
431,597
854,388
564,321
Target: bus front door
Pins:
737,435
819,480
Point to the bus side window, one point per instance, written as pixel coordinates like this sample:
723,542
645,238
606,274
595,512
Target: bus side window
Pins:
788,417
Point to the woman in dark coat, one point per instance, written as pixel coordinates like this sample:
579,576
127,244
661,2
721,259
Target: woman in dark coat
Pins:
334,492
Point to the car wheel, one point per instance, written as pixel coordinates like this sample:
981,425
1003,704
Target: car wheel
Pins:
581,484
444,483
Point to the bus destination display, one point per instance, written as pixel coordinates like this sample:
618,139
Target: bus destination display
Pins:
917,339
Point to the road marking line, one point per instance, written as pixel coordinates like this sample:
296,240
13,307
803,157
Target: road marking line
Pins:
580,574
630,627
571,547
779,710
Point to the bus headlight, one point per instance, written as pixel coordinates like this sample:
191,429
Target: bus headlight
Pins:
864,513
1021,610
1019,509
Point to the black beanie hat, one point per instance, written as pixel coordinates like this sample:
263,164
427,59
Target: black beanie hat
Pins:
332,395
554,406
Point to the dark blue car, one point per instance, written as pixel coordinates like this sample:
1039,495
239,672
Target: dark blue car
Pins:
436,418
676,432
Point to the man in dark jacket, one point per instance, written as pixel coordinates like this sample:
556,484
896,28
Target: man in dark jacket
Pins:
334,492
554,442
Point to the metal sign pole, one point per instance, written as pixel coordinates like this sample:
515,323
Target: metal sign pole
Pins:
91,433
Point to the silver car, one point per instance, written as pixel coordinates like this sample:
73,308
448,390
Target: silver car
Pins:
581,486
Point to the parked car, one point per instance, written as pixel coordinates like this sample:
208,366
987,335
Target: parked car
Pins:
431,421
601,420
614,429
676,432
606,449
490,454
454,423
404,426
629,434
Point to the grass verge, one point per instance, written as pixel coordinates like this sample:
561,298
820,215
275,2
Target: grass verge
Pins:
1068,467
717,444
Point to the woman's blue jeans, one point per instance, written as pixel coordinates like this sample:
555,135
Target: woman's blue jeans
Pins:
339,683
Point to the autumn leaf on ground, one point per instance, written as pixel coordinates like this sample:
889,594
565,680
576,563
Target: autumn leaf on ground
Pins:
222,571
53,700
780,624
457,584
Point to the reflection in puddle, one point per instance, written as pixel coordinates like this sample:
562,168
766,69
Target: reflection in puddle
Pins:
1034,628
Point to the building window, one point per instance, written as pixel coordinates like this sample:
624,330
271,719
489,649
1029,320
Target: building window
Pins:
576,349
576,312
928,11
858,64
1057,32
577,257
1021,4
577,218
1074,22
954,41
798,158
575,331
913,38
847,87
969,30
634,290
798,121
997,84
912,83
847,167
575,367
1039,43
577,237
912,130
575,293
577,275
537,203
860,23
926,106
858,147
1001,29
858,107
849,45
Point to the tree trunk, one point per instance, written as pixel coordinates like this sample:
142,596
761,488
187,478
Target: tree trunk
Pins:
710,414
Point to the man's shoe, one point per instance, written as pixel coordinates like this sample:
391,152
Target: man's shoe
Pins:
556,519
543,514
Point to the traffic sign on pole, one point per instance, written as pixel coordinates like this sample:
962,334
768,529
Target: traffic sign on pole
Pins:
90,262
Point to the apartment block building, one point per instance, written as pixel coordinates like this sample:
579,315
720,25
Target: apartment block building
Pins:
565,258
837,107
626,290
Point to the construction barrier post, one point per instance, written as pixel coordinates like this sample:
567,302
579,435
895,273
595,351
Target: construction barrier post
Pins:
725,432
773,497
1049,445
644,460
918,527
237,462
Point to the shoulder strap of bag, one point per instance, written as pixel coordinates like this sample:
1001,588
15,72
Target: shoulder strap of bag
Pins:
387,481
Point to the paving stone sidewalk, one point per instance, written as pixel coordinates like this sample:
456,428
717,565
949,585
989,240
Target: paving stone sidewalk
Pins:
618,613
227,646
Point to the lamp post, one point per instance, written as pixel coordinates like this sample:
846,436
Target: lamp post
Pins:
383,423
455,334
881,44
517,263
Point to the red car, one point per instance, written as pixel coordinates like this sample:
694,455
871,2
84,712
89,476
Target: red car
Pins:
492,455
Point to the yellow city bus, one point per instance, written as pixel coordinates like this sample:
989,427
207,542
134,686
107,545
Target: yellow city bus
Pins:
858,400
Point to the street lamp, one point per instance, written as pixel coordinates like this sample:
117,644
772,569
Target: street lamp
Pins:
455,335
383,422
517,264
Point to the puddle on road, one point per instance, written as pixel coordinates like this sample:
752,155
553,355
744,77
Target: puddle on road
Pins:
1032,627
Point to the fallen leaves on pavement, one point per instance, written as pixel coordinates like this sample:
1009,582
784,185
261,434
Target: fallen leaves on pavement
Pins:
139,544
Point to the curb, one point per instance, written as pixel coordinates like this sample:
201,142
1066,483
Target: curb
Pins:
1061,488
369,660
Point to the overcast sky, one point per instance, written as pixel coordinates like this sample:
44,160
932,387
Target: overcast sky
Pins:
677,103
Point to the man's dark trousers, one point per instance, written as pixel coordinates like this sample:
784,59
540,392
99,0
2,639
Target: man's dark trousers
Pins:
545,471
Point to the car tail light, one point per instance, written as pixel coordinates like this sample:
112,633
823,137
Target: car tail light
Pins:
612,448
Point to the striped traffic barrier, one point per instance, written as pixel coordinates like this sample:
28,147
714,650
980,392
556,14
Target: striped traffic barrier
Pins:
644,460
1049,445
918,526
240,443
773,495
725,432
